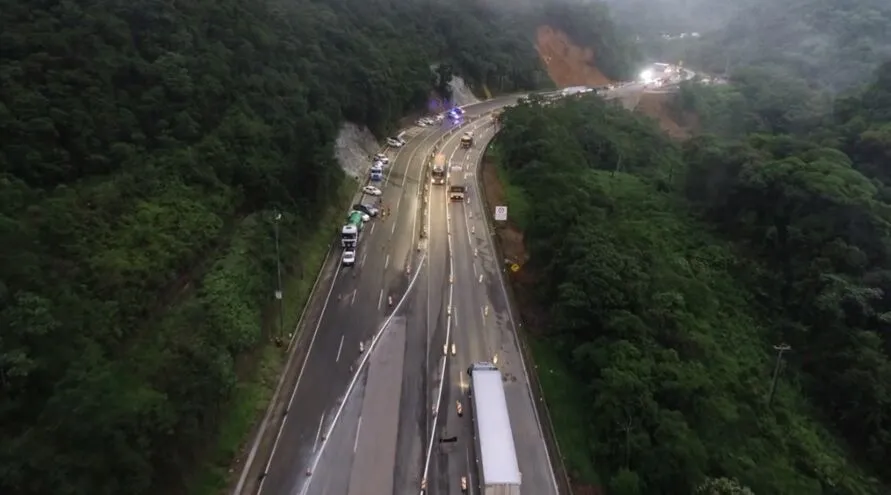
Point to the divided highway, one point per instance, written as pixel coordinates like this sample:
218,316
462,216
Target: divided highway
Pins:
457,297
348,308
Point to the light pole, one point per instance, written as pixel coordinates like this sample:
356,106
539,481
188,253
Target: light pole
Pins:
278,293
776,370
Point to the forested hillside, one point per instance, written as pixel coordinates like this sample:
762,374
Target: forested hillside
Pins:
670,273
148,149
831,44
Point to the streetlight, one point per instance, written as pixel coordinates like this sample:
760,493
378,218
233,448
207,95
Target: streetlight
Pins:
776,370
278,293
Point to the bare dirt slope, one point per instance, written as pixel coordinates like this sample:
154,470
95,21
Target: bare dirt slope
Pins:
658,106
567,64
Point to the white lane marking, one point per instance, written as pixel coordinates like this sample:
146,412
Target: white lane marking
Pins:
469,472
474,270
343,402
315,444
353,299
372,229
380,299
365,255
358,429
399,201
339,348
393,229
387,262
315,333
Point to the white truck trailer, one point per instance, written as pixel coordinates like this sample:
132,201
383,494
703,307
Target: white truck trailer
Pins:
494,439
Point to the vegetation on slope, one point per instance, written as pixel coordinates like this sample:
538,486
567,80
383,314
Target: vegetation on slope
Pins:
147,149
670,274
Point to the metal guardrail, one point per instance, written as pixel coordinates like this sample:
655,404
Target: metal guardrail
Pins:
548,430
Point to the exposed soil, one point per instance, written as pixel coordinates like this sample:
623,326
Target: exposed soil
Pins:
658,106
510,245
567,64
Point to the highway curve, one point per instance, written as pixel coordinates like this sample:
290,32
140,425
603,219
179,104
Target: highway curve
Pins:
347,308
481,330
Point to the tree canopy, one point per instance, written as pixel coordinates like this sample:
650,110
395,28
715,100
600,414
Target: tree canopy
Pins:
146,149
671,271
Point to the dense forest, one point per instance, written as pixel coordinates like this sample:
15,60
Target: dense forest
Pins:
673,272
150,150
831,44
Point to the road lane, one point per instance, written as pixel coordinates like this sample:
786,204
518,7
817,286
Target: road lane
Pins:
532,454
337,459
483,332
375,447
357,305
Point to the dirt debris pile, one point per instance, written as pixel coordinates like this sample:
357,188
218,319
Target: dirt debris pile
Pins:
567,63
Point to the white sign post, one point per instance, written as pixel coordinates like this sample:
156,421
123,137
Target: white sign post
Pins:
501,213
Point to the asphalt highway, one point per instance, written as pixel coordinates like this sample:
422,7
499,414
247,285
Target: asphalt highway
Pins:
482,330
349,311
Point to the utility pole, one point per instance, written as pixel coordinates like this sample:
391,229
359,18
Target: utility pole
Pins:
776,370
278,293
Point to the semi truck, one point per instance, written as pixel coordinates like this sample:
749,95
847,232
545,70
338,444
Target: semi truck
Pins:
349,233
438,174
467,140
494,437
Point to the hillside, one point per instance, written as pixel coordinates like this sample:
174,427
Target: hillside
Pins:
831,44
658,280
152,155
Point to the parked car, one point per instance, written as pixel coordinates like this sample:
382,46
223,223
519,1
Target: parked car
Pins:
372,191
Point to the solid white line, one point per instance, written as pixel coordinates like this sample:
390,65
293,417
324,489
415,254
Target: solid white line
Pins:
380,299
339,348
488,240
361,365
318,433
358,429
469,471
284,422
387,262
353,300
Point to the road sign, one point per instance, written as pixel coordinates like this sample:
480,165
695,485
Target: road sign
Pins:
501,213
278,294
515,268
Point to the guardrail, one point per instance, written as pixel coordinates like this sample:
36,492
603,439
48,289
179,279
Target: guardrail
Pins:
548,430
559,469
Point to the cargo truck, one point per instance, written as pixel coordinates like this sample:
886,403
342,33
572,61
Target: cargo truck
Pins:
457,186
438,174
349,233
467,140
494,438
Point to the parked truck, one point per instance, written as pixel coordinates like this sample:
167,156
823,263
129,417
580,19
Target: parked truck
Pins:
350,232
494,438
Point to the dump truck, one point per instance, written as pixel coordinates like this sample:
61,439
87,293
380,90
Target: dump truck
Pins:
494,438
